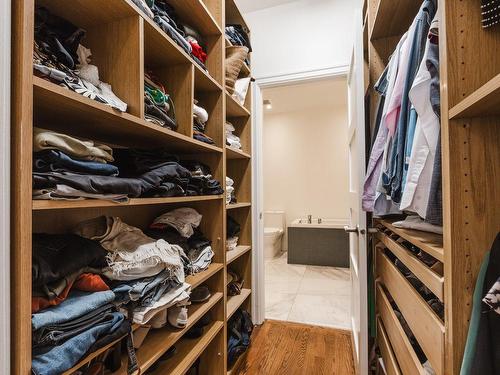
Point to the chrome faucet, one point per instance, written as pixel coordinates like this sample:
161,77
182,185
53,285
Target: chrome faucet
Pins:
320,220
309,219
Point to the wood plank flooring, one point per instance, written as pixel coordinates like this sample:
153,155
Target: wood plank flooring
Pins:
284,348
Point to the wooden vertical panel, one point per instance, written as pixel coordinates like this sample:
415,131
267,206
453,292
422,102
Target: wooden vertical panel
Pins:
216,53
179,83
215,7
117,50
21,167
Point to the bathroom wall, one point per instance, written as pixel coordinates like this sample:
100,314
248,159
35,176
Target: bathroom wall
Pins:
305,150
299,36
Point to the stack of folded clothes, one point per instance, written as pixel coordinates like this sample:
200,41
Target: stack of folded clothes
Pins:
158,106
184,35
59,155
232,233
77,169
201,181
230,194
147,274
200,118
72,305
181,227
59,57
232,140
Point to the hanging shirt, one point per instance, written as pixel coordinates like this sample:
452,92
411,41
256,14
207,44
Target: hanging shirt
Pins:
416,193
386,85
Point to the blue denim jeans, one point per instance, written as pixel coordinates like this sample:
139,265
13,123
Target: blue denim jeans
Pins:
76,305
58,161
147,290
55,360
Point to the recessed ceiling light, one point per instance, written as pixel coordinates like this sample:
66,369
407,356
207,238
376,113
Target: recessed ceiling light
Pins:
267,104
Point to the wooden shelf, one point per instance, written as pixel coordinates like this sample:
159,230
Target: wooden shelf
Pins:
188,351
158,341
234,302
56,106
235,109
483,102
232,153
393,18
201,277
236,253
97,203
431,243
233,206
235,368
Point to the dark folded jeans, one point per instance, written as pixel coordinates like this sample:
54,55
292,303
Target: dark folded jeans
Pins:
133,187
58,161
233,227
55,256
54,335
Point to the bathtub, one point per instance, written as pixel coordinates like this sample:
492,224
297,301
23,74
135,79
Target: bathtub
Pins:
318,244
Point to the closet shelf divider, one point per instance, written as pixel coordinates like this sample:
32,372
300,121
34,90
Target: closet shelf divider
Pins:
236,253
483,102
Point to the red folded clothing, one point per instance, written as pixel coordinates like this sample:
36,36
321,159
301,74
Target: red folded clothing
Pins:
198,52
86,282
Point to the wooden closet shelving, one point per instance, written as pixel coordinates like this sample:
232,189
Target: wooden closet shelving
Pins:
485,101
125,43
470,135
239,168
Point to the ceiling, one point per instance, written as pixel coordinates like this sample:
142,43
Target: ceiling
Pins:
330,93
247,6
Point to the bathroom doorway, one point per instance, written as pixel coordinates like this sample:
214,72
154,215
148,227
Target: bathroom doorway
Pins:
306,203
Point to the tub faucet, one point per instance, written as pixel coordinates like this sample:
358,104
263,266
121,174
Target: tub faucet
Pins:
319,220
309,219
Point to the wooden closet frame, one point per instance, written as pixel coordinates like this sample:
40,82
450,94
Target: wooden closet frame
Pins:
470,139
125,42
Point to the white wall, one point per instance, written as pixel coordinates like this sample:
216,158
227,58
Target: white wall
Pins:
305,151
301,36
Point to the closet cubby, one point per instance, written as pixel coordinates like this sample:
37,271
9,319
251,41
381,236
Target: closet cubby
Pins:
213,103
178,83
115,45
240,171
243,127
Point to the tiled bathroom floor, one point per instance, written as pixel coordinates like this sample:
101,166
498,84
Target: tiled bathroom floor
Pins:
307,294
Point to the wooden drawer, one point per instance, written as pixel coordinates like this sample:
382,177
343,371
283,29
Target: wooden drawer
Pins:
422,320
390,363
406,357
430,278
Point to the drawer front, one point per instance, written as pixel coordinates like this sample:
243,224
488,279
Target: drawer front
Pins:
423,322
407,359
390,362
427,275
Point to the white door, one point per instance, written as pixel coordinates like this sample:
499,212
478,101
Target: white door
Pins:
357,228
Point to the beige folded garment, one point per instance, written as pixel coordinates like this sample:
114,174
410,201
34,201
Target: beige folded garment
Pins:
78,148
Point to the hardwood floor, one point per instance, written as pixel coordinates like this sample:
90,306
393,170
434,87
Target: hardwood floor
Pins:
284,348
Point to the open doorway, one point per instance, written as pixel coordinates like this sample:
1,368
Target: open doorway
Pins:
306,203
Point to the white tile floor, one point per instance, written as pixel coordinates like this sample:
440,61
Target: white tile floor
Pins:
307,294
